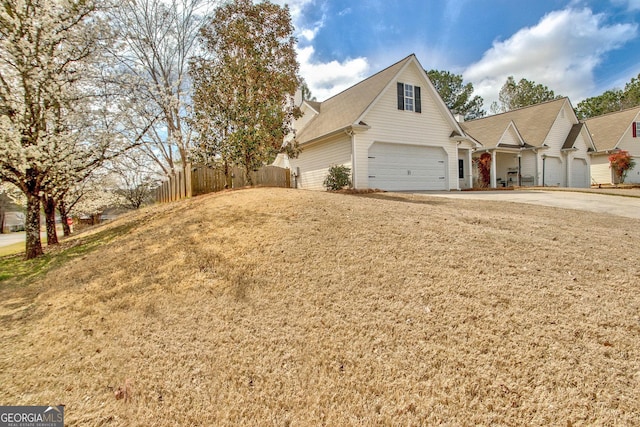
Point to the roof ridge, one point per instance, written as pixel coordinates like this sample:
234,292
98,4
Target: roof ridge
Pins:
370,77
624,110
521,108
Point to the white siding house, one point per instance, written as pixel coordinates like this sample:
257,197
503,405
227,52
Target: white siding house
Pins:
611,133
393,130
542,145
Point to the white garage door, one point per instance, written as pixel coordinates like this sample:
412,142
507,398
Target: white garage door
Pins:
397,167
579,173
553,172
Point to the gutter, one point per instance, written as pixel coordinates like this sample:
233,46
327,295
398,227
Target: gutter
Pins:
345,129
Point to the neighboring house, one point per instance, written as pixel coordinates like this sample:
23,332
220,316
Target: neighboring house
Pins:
393,130
611,133
13,221
543,145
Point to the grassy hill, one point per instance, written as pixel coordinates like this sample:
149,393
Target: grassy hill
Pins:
284,307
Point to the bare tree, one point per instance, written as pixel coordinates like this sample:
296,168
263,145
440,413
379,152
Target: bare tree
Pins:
136,177
158,38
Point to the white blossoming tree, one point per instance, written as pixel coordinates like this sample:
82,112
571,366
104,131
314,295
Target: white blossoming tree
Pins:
47,48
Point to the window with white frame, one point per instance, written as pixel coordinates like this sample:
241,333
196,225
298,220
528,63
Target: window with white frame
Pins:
408,97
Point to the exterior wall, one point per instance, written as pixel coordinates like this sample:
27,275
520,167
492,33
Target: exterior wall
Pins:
632,145
600,169
505,163
556,168
467,181
315,160
528,168
307,115
390,125
633,176
510,137
629,143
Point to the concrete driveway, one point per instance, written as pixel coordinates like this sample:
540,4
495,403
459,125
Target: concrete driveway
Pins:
593,202
11,238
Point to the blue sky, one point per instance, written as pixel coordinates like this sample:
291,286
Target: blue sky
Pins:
578,48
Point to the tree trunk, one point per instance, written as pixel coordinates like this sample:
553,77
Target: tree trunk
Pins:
2,219
32,226
50,218
228,179
247,171
64,217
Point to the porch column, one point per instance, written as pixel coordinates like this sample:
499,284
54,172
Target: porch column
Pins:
355,183
469,169
567,170
494,182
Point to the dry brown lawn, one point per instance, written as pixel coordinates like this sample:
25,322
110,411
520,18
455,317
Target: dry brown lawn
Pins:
284,307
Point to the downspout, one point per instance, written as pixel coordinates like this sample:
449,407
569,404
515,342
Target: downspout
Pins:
470,169
544,161
351,134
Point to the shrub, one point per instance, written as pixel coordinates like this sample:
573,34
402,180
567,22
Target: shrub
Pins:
484,169
339,177
621,163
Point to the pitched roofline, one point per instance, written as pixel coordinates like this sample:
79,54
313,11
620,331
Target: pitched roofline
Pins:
441,105
614,112
370,77
407,60
512,124
585,131
626,129
521,108
308,104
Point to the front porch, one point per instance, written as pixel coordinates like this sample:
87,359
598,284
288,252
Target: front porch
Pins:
509,167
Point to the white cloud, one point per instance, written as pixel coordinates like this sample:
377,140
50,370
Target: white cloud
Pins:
326,79
561,52
304,31
630,4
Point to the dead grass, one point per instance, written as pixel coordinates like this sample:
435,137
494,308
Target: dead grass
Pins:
283,307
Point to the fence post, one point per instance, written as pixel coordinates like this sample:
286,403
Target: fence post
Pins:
172,187
187,180
181,185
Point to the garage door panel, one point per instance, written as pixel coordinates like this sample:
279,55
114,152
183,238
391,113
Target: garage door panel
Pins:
407,167
553,172
579,173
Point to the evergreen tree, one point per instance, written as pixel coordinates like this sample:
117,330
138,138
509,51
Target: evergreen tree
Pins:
456,95
244,83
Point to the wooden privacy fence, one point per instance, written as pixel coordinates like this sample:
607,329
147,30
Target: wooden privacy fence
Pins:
203,179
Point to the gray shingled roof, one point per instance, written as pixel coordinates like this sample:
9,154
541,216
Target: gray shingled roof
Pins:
607,130
343,109
533,123
573,135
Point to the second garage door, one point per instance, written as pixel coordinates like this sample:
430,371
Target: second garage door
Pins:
398,167
579,173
